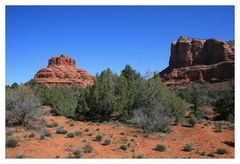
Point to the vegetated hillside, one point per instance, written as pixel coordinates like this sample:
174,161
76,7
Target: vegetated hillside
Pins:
199,61
166,123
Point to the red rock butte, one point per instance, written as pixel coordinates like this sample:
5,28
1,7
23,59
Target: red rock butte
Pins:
62,71
198,60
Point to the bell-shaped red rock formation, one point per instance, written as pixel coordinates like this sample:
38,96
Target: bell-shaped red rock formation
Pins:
62,71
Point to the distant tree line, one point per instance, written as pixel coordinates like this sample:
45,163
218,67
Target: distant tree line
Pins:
128,97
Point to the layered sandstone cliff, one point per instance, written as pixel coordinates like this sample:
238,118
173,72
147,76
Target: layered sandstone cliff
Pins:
62,71
199,60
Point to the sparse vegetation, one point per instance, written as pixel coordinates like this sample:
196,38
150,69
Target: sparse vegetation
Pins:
61,130
188,147
44,132
192,120
222,151
11,142
70,135
218,127
22,106
123,147
211,154
107,141
99,137
87,148
160,148
78,133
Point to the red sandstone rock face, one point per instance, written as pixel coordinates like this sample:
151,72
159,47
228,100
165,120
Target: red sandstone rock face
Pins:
62,71
195,60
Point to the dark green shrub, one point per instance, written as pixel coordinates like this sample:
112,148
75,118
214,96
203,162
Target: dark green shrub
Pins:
124,147
222,151
107,141
99,137
11,142
63,100
225,106
188,147
160,148
70,135
61,130
87,148
218,127
211,154
192,120
78,133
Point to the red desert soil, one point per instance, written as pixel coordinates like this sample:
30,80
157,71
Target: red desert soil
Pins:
202,136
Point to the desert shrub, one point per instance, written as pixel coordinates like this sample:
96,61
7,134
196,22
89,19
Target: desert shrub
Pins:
86,130
97,129
87,148
188,147
123,147
61,130
90,134
222,151
63,100
218,127
151,119
78,133
77,153
160,148
107,141
20,156
192,120
211,154
10,131
225,106
52,125
82,109
22,106
102,99
156,106
194,95
11,142
99,137
44,132
70,135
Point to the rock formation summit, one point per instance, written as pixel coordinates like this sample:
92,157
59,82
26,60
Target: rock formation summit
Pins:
62,71
197,60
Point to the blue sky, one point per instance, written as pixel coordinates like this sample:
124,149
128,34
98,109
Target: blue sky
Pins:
100,37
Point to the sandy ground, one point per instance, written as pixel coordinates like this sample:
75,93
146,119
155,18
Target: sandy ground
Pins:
203,137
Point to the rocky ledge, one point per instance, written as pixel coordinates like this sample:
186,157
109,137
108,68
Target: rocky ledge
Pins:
198,60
